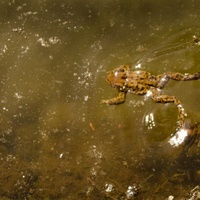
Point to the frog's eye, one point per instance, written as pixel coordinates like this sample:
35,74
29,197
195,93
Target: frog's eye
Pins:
121,70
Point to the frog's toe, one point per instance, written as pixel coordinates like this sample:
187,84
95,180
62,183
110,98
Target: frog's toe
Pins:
104,102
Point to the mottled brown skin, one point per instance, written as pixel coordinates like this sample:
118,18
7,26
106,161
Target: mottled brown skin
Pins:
141,82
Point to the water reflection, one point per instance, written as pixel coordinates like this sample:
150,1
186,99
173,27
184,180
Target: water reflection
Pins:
149,121
56,140
178,137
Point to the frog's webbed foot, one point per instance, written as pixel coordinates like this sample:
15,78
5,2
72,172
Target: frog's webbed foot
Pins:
186,136
117,100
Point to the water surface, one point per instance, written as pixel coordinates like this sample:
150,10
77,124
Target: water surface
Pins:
57,141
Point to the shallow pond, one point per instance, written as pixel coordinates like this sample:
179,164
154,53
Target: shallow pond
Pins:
56,140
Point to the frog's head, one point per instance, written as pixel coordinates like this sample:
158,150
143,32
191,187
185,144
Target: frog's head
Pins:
117,77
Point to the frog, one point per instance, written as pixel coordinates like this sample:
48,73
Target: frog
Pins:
141,82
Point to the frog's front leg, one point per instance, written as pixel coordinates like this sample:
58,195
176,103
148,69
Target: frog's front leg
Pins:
117,100
159,98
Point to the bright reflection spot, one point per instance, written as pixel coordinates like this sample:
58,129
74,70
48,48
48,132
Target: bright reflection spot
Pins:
149,121
109,187
54,40
182,109
43,42
170,197
93,172
148,94
86,98
61,155
163,79
5,109
126,81
138,65
178,138
116,73
129,192
17,95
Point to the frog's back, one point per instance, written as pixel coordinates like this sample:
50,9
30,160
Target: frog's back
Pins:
141,77
138,75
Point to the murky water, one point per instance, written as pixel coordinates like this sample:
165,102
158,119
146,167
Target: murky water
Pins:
57,141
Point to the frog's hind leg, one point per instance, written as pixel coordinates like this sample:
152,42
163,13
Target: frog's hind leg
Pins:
163,79
171,99
183,77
